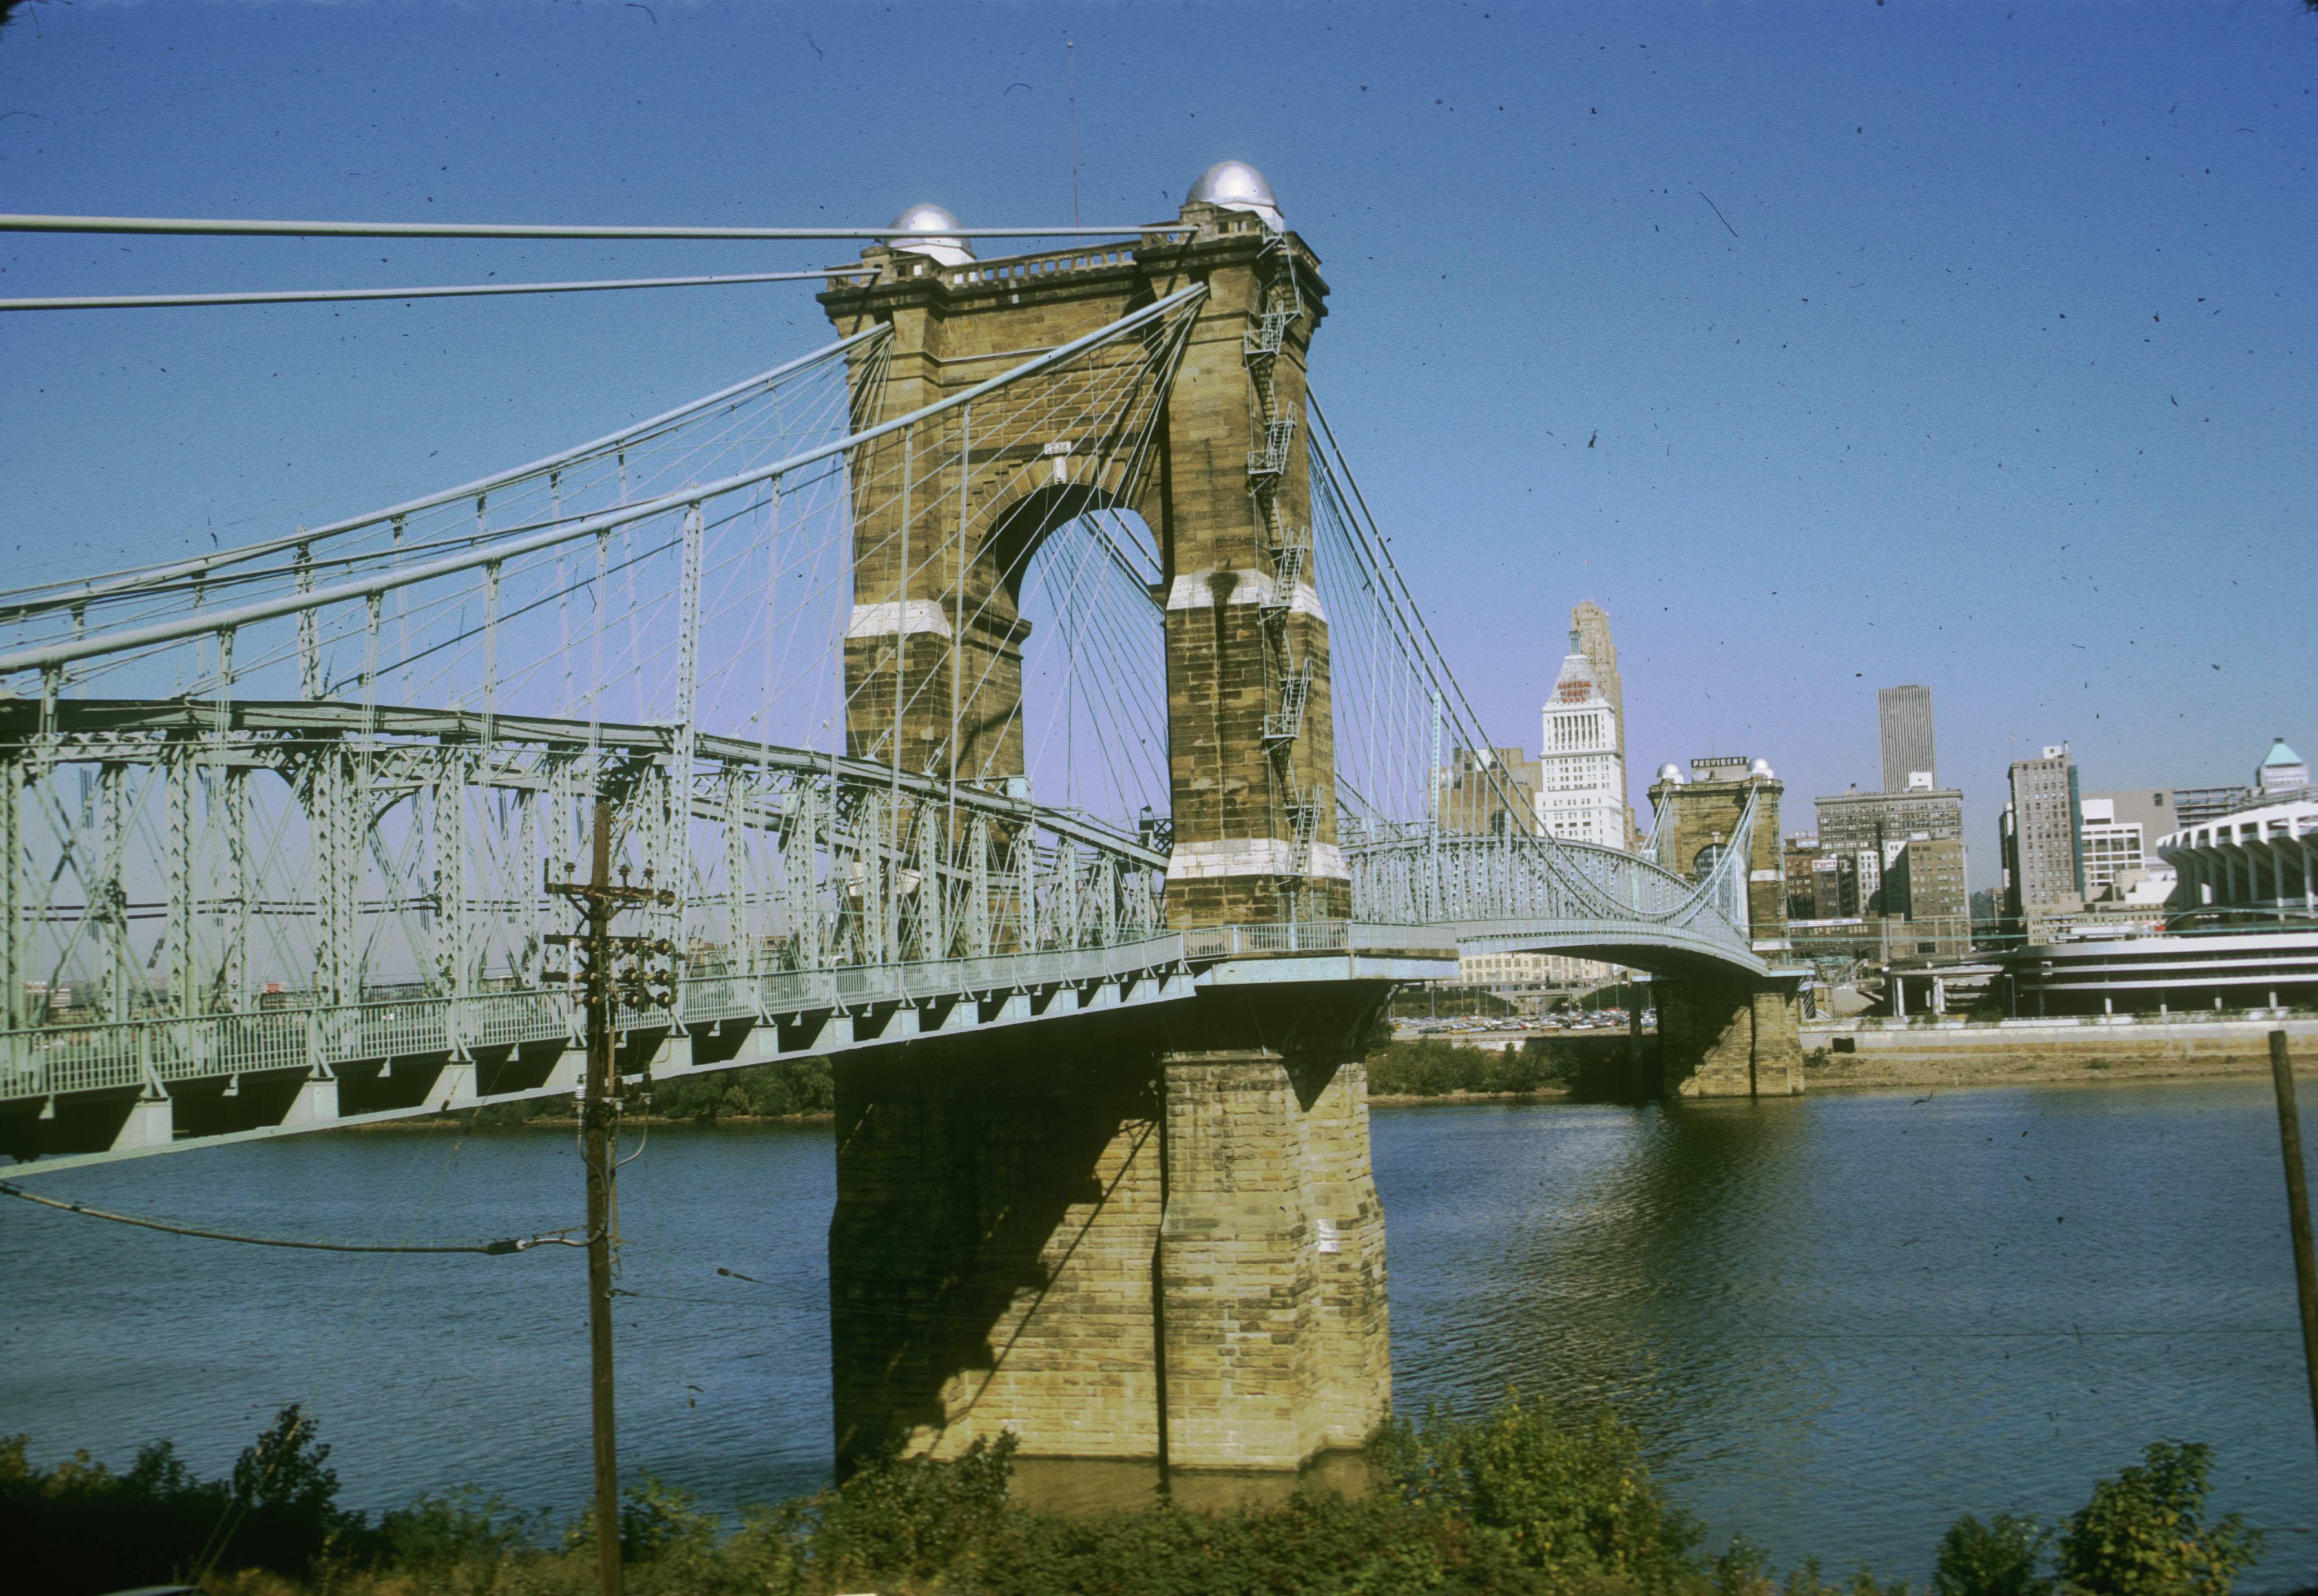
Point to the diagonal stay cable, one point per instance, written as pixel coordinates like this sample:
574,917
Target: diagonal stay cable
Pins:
1429,656
66,652
64,593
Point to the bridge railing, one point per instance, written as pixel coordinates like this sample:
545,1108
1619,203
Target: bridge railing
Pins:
714,997
162,1051
1452,880
1016,269
1310,937
159,1053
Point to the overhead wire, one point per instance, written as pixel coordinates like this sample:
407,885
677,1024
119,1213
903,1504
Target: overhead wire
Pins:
494,1248
1027,423
316,1372
350,622
1146,379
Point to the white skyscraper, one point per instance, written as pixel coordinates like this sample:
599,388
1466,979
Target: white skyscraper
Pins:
1581,791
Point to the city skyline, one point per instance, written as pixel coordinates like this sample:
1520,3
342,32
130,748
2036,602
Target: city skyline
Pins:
1923,376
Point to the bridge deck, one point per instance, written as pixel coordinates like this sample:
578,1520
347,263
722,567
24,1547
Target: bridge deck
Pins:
450,1055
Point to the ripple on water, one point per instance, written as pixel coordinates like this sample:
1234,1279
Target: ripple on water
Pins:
1837,1322
1842,1321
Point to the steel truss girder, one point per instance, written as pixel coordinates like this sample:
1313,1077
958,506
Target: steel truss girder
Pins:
1550,892
392,865
813,1013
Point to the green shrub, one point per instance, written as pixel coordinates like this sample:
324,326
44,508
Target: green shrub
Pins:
1744,1569
461,1525
2144,1533
907,1519
758,1091
1318,1544
502,1116
1517,1502
658,1519
1806,1582
754,1091
1998,1558
1575,1499
80,1526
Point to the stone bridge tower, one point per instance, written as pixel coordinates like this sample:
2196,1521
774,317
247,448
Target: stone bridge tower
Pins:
1151,1238
1252,761
1725,1035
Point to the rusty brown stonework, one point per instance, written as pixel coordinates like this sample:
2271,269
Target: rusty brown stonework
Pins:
1112,1243
956,327
1723,1036
1150,1235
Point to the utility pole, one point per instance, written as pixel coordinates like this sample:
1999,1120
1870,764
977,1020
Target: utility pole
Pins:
596,950
2297,1208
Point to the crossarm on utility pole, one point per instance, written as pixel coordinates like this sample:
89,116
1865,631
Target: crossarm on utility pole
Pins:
599,1106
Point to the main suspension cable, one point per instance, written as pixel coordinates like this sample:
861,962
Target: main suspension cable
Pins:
236,227
305,296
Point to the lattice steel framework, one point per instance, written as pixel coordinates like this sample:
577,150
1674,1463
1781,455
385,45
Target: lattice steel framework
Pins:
294,807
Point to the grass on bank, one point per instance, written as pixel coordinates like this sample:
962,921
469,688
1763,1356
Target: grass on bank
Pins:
1519,1502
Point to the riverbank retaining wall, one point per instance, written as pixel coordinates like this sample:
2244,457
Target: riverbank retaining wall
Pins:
1865,1053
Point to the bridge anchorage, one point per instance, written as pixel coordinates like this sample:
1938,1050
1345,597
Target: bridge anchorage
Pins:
1018,705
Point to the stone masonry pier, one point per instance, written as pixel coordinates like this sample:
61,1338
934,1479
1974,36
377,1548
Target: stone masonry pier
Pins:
1115,1238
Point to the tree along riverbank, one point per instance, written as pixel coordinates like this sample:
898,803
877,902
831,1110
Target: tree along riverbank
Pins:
1524,1501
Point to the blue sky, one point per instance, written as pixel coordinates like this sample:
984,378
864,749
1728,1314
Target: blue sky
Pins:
1964,343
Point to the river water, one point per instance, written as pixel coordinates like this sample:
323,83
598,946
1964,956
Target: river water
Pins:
1838,1321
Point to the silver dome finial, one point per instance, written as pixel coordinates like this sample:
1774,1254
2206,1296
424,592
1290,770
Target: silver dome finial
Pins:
951,251
1237,187
1671,774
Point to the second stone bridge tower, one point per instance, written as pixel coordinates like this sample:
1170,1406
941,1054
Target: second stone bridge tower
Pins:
1725,1035
1154,1236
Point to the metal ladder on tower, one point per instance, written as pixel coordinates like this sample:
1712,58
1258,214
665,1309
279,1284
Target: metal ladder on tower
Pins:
1289,549
1303,831
1282,727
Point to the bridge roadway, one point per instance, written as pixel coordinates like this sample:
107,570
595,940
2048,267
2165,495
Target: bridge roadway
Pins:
152,1086
516,1046
92,1090
82,1089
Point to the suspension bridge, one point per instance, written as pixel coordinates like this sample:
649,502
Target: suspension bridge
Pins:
1013,700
